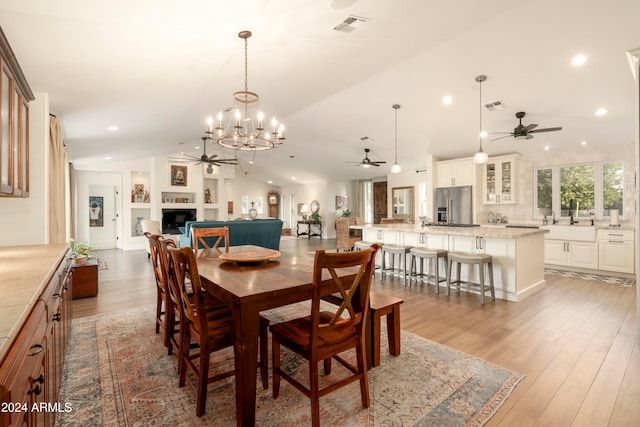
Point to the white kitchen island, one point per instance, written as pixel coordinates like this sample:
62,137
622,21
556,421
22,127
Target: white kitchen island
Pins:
518,253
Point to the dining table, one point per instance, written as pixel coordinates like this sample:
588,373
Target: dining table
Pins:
249,288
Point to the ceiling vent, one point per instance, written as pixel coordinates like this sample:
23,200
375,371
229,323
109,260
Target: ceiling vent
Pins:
493,106
350,23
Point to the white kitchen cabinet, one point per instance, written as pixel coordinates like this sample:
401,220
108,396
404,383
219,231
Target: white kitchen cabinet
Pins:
616,250
370,234
571,253
499,180
455,173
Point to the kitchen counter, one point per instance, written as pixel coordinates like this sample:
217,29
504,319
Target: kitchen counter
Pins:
24,273
496,232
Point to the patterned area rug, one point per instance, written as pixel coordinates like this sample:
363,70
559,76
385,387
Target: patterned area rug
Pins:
622,281
118,374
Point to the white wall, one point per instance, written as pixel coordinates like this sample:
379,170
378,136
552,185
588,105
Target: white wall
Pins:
25,221
240,186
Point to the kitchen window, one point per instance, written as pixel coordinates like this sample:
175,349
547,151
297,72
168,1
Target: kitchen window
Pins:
584,188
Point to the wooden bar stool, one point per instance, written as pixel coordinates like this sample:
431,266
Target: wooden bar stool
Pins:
394,250
432,256
471,259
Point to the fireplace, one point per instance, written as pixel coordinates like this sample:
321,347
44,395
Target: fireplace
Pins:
174,218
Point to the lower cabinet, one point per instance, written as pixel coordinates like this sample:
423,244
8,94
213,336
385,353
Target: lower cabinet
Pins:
31,373
571,253
616,250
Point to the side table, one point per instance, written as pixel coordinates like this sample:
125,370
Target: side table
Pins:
84,279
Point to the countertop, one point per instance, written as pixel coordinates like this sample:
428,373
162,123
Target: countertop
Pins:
24,273
491,232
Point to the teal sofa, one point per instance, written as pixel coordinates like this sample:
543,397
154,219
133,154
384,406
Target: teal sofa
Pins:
259,232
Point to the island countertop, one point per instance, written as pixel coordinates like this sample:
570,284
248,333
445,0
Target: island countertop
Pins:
24,273
491,232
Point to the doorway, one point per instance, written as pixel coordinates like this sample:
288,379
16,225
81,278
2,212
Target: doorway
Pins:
379,201
102,216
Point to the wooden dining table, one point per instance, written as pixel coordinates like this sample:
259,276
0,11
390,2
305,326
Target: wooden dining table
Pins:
250,288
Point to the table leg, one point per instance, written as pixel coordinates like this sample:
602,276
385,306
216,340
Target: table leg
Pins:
247,326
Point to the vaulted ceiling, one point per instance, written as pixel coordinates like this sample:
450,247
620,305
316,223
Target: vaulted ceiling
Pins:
158,68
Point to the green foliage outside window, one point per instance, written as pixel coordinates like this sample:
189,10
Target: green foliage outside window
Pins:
613,186
545,192
577,188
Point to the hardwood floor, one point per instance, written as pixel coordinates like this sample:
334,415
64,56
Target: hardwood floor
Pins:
575,341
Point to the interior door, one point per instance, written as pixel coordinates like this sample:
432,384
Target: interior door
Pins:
379,201
102,216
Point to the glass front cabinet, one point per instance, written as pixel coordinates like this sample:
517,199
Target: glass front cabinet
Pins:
499,180
15,95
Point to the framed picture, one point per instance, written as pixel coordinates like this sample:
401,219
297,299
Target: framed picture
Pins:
96,208
341,202
230,207
179,175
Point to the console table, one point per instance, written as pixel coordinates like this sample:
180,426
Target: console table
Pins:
312,229
84,279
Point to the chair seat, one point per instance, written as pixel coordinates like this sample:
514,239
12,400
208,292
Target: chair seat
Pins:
396,249
427,253
469,258
295,332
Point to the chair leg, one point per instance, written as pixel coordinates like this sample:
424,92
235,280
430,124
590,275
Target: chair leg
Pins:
449,277
275,366
203,374
364,380
436,272
158,309
482,288
185,342
393,330
458,278
493,290
314,388
264,356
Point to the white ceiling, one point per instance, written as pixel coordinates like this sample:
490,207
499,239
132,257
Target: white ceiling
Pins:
159,68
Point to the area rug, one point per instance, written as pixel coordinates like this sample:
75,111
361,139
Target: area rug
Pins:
117,373
622,281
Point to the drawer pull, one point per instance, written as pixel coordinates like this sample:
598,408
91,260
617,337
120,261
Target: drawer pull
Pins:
56,295
40,379
35,349
616,234
616,241
36,390
57,317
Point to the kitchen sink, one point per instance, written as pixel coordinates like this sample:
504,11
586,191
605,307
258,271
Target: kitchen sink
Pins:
581,233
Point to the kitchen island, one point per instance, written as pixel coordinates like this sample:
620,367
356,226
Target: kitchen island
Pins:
518,253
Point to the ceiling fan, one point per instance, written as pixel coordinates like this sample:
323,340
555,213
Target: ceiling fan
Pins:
524,132
366,162
211,160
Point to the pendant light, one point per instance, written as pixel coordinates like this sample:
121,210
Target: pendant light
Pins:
480,157
396,168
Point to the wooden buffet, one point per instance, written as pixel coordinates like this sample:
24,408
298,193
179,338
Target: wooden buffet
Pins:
35,316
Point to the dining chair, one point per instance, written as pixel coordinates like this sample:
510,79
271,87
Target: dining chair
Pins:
210,329
324,335
198,236
344,240
162,295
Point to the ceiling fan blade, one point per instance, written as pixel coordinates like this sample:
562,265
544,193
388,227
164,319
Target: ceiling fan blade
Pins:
381,162
546,130
502,137
528,128
498,133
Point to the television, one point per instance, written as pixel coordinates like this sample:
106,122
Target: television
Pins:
174,218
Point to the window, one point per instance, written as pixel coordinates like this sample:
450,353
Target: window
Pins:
583,189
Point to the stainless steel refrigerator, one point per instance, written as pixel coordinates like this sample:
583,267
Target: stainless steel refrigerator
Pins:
454,205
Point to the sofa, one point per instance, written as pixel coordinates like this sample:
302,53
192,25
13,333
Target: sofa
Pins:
259,232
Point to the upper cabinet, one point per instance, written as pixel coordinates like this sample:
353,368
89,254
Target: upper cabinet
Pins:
499,180
455,173
15,95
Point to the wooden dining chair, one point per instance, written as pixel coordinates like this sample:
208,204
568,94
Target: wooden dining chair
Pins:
173,305
198,236
324,335
205,329
162,295
344,240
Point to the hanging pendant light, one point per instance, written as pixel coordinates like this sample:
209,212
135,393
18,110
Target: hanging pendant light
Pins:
396,168
480,157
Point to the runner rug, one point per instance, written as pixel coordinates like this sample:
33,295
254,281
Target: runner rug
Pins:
118,373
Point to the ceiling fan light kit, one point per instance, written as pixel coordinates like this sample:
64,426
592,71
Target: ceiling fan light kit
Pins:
244,127
396,168
480,157
524,131
366,162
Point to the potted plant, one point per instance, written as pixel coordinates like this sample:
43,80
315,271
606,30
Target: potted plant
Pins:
79,252
315,217
345,214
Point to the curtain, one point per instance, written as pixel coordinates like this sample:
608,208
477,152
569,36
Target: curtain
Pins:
58,183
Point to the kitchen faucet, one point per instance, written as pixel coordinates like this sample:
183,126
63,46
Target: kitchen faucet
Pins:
571,220
553,218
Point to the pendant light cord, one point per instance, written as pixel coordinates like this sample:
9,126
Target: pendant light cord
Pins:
480,111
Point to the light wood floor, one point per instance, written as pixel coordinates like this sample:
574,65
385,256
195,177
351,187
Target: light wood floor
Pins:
575,341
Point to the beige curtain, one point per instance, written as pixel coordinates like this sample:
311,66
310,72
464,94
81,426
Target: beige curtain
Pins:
58,184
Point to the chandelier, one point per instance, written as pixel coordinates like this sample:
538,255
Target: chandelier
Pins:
242,127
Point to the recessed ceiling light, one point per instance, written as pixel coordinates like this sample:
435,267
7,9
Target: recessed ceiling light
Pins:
447,100
107,158
583,143
293,178
113,128
578,60
483,134
270,182
601,111
197,147
546,148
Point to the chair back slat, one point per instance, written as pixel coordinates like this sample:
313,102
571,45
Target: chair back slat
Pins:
184,265
199,235
168,271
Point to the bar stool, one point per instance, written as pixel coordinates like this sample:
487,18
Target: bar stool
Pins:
420,255
393,251
471,259
363,244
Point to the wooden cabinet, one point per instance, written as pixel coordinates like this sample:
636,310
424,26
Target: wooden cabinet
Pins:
571,253
455,173
15,95
84,279
499,180
616,250
31,372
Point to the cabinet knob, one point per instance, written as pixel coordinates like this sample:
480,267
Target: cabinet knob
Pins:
35,349
57,317
36,390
